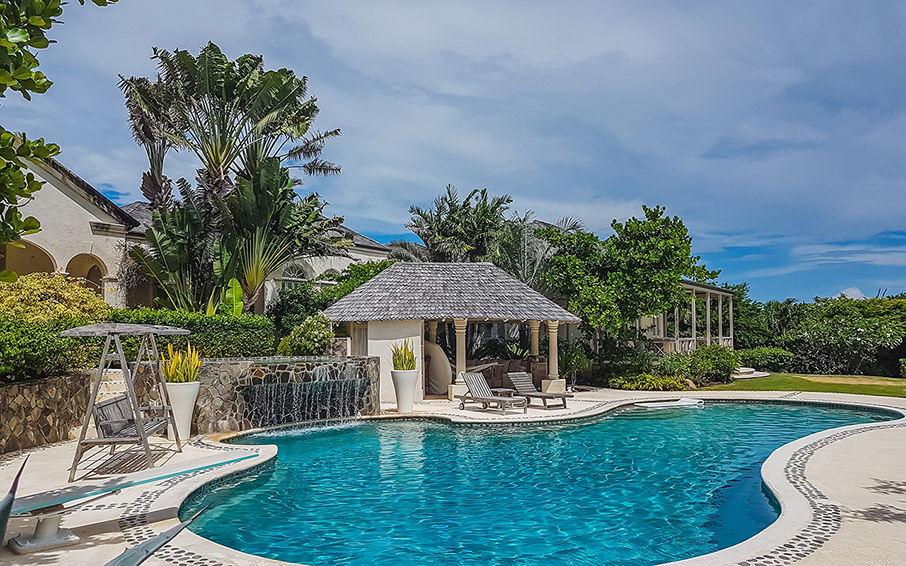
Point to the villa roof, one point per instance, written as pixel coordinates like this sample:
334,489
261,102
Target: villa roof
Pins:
94,195
437,291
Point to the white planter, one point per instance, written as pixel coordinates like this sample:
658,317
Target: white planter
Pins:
182,401
404,382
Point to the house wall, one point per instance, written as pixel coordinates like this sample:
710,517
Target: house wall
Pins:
381,336
76,234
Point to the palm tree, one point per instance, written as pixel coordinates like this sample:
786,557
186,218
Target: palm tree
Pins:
231,114
458,230
516,248
149,129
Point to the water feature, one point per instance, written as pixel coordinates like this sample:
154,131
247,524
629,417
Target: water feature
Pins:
324,397
635,488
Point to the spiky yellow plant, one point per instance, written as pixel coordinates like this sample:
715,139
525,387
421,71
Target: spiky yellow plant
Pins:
181,367
403,356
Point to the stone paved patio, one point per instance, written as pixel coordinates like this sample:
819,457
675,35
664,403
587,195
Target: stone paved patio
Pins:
849,486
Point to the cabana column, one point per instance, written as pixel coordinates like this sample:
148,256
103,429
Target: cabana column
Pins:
432,331
460,324
534,326
553,383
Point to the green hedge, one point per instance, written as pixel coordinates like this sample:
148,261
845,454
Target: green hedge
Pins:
766,358
218,336
647,382
713,363
33,350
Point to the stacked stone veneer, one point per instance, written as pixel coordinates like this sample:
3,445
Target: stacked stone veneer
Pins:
242,394
41,411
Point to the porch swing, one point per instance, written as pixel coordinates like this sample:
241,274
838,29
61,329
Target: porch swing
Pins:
121,419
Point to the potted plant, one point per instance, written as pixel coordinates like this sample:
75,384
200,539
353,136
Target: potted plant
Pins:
404,375
181,373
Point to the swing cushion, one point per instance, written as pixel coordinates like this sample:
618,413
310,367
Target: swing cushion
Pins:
115,421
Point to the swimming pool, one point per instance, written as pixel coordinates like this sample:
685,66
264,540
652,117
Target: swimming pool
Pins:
634,487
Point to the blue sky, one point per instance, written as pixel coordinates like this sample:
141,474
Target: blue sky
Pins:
774,129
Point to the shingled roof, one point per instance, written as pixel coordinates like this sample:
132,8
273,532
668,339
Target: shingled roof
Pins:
436,291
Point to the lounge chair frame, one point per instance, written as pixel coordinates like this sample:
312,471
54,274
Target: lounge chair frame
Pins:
120,420
480,392
525,387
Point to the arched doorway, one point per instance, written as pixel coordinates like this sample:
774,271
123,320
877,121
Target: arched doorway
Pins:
27,259
91,269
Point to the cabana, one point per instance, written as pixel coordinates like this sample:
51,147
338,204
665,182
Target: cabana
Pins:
403,301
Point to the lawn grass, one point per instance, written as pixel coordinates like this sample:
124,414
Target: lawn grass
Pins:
859,384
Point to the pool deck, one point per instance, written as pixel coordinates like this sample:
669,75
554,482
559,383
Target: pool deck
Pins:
843,492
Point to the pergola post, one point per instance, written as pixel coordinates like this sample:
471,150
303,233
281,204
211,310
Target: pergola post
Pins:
720,320
534,326
732,343
432,331
708,317
694,329
553,383
676,329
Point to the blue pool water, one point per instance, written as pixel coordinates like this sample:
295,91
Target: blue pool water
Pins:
636,487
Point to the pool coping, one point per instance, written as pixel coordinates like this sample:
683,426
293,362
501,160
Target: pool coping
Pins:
808,519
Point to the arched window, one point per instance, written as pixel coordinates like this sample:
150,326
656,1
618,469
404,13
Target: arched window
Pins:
294,275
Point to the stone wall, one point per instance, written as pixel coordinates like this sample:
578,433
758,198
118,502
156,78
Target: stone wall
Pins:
42,411
242,394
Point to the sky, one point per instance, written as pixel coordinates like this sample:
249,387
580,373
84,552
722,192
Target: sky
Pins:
775,130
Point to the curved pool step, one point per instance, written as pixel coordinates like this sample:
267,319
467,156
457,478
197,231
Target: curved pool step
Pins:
748,373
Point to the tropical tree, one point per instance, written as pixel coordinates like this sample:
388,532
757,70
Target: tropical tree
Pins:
231,114
517,249
456,230
180,252
636,272
245,217
269,226
23,30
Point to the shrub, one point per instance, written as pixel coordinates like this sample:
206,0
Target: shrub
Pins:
673,364
293,305
32,350
648,382
43,297
902,367
845,336
218,336
571,360
311,338
713,363
353,277
766,359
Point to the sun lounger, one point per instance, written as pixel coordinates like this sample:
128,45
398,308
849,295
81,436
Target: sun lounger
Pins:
479,392
524,386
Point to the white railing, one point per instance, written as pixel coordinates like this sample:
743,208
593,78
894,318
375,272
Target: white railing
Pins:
686,345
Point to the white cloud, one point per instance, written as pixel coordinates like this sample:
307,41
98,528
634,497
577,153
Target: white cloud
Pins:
852,293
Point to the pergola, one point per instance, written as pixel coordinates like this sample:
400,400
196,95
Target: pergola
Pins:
461,293
657,328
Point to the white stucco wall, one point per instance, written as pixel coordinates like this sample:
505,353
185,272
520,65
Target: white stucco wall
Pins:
383,334
66,216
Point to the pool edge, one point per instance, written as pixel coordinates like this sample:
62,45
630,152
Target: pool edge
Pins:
796,533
